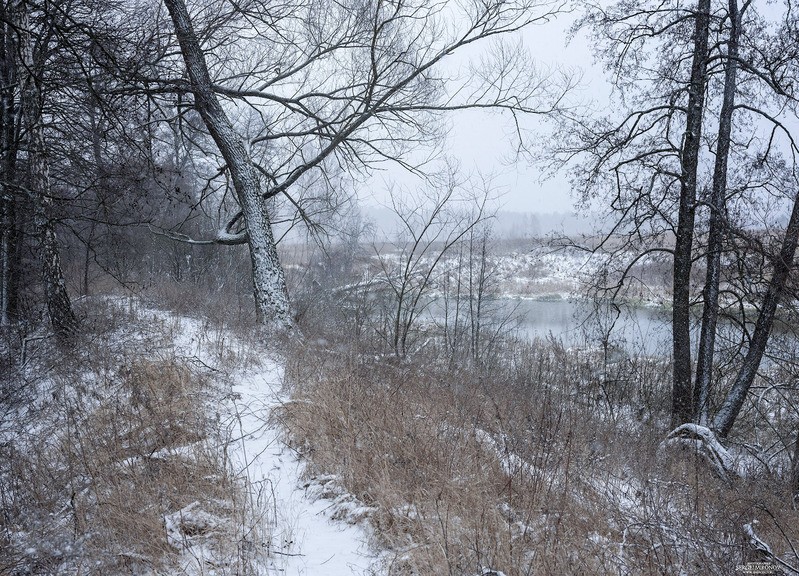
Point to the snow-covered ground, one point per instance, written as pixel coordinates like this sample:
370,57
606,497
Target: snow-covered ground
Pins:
222,493
305,539
302,537
536,272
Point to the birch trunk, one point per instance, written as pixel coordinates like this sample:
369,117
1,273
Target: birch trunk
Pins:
682,399
269,285
58,304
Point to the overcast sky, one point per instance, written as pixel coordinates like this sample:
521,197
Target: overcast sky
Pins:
483,142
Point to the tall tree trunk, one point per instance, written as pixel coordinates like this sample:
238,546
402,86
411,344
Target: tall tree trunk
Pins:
9,265
731,407
682,399
271,296
795,472
710,310
100,188
9,228
58,304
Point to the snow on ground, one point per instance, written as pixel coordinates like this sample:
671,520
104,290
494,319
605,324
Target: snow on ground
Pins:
305,540
296,527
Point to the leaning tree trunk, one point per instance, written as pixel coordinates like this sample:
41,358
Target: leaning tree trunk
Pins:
682,399
58,304
783,265
710,310
271,296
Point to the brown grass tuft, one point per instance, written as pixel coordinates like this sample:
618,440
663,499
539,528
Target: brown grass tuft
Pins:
119,466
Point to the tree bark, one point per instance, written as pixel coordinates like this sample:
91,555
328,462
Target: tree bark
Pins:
269,285
731,407
710,310
682,399
795,472
58,303
9,227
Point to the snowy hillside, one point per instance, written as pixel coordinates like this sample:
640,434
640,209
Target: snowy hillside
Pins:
155,449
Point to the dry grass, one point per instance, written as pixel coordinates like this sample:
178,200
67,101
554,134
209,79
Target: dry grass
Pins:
512,470
226,302
118,464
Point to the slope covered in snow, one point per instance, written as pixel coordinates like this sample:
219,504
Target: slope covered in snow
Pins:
154,447
307,534
305,539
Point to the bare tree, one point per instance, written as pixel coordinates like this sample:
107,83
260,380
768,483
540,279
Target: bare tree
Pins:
649,156
271,296
783,264
717,218
9,195
774,63
54,85
431,225
683,243
473,320
314,88
682,72
58,303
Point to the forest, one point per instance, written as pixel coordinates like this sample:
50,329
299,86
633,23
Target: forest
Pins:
215,362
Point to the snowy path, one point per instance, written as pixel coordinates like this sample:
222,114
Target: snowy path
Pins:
297,529
304,541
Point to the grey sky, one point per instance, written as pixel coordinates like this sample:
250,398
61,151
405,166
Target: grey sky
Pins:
484,143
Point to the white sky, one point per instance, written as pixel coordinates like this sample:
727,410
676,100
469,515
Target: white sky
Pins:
484,142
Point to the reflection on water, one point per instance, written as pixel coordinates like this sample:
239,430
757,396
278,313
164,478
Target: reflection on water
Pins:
576,322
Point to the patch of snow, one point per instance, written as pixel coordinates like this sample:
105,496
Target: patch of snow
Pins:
297,531
306,539
194,531
703,441
755,541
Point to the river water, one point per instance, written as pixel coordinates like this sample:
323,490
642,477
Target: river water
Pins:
638,331
577,323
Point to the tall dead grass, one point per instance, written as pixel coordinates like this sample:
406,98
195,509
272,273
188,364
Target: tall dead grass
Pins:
117,463
528,469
